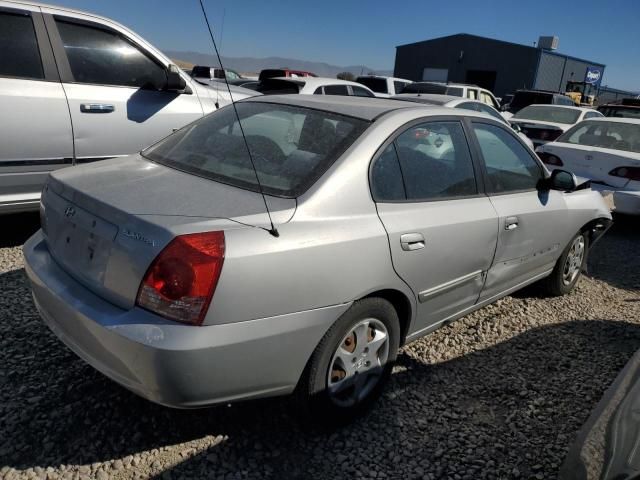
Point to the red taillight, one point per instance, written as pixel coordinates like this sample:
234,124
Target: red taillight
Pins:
180,282
632,173
550,159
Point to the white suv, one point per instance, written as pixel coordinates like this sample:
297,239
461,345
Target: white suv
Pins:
383,86
463,90
76,88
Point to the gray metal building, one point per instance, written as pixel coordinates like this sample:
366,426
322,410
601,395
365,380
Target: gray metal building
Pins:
499,66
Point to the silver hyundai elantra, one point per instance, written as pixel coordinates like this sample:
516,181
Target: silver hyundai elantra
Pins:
194,273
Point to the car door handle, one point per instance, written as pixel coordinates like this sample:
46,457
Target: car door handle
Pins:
511,223
96,108
411,241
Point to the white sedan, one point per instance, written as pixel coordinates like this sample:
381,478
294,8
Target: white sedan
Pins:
463,103
313,86
607,151
545,123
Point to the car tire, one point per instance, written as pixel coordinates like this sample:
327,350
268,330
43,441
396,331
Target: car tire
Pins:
351,364
569,266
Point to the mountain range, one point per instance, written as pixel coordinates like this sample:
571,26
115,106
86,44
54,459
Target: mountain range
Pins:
254,65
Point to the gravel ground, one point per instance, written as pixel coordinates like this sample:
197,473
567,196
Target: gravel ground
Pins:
498,394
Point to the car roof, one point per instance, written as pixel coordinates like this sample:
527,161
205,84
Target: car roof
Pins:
365,108
567,107
633,121
64,9
317,81
385,77
427,98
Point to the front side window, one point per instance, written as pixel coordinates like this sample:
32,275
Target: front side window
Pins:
378,85
20,54
614,135
104,57
336,90
510,167
592,115
361,92
398,86
290,146
435,162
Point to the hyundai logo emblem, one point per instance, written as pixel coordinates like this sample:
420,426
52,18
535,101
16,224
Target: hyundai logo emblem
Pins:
69,212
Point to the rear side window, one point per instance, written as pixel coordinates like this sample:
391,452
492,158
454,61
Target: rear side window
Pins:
435,162
336,90
104,57
290,146
398,86
386,177
436,88
510,167
472,94
20,55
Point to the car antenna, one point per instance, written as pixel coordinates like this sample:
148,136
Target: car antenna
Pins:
273,230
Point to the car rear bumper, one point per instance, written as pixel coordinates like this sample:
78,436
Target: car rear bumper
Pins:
620,201
169,363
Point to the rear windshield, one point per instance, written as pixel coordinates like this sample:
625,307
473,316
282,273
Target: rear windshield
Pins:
524,99
620,112
290,146
271,73
614,135
378,85
436,88
567,116
272,86
203,72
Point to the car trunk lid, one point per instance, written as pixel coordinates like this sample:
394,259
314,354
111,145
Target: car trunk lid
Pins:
104,224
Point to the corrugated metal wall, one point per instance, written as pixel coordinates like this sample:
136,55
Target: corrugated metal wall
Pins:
549,72
554,71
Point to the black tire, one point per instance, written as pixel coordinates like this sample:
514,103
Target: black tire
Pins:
556,284
312,395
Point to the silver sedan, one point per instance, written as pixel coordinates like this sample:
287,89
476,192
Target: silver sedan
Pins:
163,269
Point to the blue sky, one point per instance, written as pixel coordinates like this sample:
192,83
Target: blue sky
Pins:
366,32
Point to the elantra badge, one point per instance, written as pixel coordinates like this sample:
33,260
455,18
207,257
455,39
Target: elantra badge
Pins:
69,212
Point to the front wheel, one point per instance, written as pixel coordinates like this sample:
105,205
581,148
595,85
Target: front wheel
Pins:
352,362
569,266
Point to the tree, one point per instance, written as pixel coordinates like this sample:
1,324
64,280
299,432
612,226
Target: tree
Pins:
346,76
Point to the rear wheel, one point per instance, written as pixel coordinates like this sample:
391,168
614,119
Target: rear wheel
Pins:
353,361
569,266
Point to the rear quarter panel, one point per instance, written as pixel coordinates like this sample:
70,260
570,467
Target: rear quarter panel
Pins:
334,250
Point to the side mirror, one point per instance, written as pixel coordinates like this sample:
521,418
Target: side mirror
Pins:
504,107
516,127
175,82
562,180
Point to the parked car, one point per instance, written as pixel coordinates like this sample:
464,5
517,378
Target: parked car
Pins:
627,108
157,270
472,92
77,88
606,447
382,86
524,98
457,102
202,72
313,86
545,123
283,72
605,150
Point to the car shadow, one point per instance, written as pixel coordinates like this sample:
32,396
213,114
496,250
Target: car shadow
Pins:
512,403
17,228
615,259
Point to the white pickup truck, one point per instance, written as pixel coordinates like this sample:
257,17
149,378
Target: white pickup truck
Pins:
76,88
